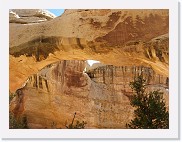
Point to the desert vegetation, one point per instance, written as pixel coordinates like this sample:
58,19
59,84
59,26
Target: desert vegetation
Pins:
150,110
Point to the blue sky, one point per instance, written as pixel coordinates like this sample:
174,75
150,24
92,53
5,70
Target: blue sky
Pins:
56,12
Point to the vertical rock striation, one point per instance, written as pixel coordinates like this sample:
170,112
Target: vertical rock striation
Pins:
99,96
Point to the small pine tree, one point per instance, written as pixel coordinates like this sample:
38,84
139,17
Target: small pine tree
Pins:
150,112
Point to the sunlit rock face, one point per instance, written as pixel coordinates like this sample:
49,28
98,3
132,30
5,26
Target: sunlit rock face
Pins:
99,96
52,56
29,16
114,37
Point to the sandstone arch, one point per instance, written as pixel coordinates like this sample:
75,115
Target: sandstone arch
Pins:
118,37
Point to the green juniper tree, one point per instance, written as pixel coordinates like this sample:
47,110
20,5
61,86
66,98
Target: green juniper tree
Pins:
150,112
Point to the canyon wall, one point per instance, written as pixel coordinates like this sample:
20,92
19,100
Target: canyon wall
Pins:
100,97
47,58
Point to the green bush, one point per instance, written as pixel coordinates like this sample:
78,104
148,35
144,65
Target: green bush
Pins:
78,125
17,123
150,110
11,96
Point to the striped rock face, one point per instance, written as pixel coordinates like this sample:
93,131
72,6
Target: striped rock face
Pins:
100,96
126,42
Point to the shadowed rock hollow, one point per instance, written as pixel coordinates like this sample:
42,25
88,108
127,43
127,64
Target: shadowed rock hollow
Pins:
126,42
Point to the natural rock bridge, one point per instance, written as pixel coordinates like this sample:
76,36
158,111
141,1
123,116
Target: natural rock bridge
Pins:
117,37
48,60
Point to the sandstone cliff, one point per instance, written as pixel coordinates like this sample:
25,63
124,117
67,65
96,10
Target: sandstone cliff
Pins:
99,97
29,16
48,64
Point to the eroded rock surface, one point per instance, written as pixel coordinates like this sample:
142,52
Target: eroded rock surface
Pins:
126,42
117,37
100,97
29,16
